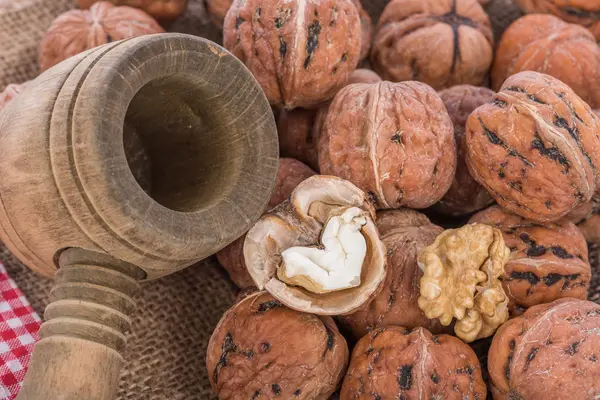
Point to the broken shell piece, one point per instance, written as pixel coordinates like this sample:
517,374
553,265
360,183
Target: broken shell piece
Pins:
460,280
319,251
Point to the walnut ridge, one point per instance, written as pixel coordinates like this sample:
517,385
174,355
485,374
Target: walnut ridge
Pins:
262,349
301,52
546,44
547,262
393,140
461,272
535,147
551,352
397,363
440,42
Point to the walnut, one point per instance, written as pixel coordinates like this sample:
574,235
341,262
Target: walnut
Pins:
405,234
544,43
440,42
550,353
392,140
10,92
263,349
217,10
535,147
396,363
299,129
590,225
289,175
319,251
547,262
162,10
582,12
461,272
78,30
300,52
465,195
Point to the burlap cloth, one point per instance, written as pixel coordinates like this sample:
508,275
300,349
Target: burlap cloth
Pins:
175,317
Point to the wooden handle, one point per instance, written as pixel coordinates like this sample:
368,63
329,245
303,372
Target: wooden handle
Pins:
78,355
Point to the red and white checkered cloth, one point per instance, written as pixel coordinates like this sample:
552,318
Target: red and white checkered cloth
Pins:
19,326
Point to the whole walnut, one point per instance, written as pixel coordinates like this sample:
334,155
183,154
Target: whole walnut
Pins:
547,262
392,140
301,52
440,42
544,43
289,175
582,12
10,92
162,10
550,353
405,234
396,363
299,129
535,147
465,195
261,350
78,30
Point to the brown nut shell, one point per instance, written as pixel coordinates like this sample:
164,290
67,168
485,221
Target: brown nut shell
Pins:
550,353
78,30
301,52
396,363
299,221
405,234
547,262
162,10
440,42
535,147
546,44
590,225
392,140
465,195
582,12
262,349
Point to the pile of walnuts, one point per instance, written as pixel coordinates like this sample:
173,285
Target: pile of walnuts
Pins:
350,291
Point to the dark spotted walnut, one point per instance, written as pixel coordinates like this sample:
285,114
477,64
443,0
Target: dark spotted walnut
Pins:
405,234
396,363
263,350
392,140
535,147
582,12
440,42
465,195
546,44
301,52
552,352
299,129
547,262
289,175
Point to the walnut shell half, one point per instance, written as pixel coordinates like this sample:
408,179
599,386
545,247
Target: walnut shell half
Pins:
300,223
460,280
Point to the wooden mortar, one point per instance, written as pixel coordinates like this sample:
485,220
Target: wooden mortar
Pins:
127,162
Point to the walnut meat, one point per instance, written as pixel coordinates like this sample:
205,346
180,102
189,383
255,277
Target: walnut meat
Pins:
78,30
405,234
299,129
535,147
163,10
551,353
10,92
461,272
582,12
547,262
465,195
392,140
261,349
396,363
319,251
440,42
301,52
544,43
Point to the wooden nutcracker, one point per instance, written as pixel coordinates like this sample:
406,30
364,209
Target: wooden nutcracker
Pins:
125,163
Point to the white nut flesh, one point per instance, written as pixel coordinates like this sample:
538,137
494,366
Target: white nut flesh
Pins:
338,265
